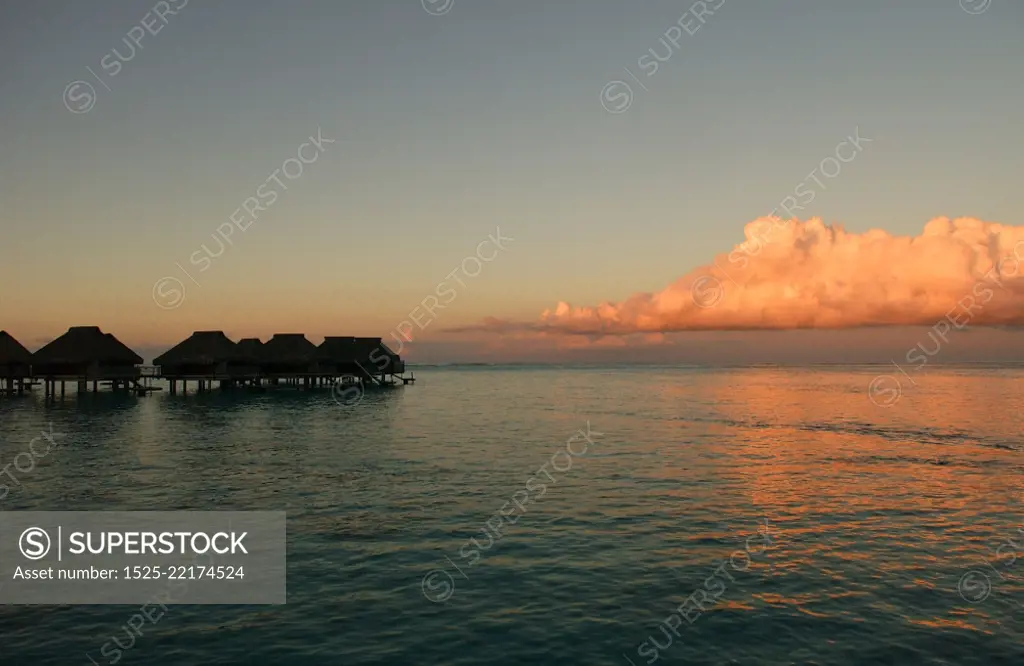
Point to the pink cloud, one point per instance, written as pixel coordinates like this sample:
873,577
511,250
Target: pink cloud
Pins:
789,274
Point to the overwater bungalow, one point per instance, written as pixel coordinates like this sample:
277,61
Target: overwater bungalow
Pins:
385,360
250,354
206,356
83,354
365,358
250,349
334,354
15,364
87,354
289,356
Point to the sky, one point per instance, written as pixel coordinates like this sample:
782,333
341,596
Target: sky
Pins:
444,124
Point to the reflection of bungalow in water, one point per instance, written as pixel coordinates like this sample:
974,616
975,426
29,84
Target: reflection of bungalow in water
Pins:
85,353
289,356
205,356
365,358
15,364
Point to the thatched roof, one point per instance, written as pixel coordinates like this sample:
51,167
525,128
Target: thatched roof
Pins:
288,348
202,348
363,352
353,349
249,350
337,349
85,344
371,344
12,352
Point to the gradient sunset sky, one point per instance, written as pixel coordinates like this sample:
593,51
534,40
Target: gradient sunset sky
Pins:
450,126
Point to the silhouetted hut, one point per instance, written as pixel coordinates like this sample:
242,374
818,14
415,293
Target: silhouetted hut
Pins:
289,355
15,363
205,354
383,359
15,360
358,357
335,355
250,354
85,353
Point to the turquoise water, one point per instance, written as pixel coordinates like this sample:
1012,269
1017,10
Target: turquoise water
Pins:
811,525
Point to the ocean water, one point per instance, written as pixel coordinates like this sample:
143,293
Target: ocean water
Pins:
807,519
